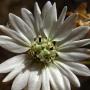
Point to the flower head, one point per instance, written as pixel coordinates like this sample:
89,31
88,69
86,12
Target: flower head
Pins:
50,50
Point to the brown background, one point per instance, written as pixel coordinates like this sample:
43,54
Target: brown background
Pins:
14,6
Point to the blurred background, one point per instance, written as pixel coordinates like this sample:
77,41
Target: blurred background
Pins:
14,6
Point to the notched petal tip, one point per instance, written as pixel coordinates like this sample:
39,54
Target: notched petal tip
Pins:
65,7
4,80
36,8
2,27
79,85
11,15
24,10
48,2
54,4
36,3
9,78
85,27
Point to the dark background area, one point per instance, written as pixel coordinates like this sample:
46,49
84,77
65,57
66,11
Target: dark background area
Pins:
14,6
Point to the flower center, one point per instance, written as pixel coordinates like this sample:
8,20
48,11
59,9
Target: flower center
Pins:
42,50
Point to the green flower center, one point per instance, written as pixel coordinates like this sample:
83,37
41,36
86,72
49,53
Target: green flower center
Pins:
42,50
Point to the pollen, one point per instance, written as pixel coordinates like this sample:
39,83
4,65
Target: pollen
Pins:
42,50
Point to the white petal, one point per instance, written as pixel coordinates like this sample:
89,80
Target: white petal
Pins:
83,50
14,73
45,80
74,44
67,72
46,8
50,20
81,43
62,15
52,82
34,82
73,56
13,34
78,68
67,83
11,63
28,18
21,81
66,80
38,20
77,33
13,47
37,9
65,29
57,77
9,44
5,38
21,27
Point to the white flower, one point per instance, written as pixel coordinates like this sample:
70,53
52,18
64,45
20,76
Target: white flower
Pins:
50,50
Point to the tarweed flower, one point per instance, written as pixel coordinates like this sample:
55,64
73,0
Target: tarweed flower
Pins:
50,50
83,15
